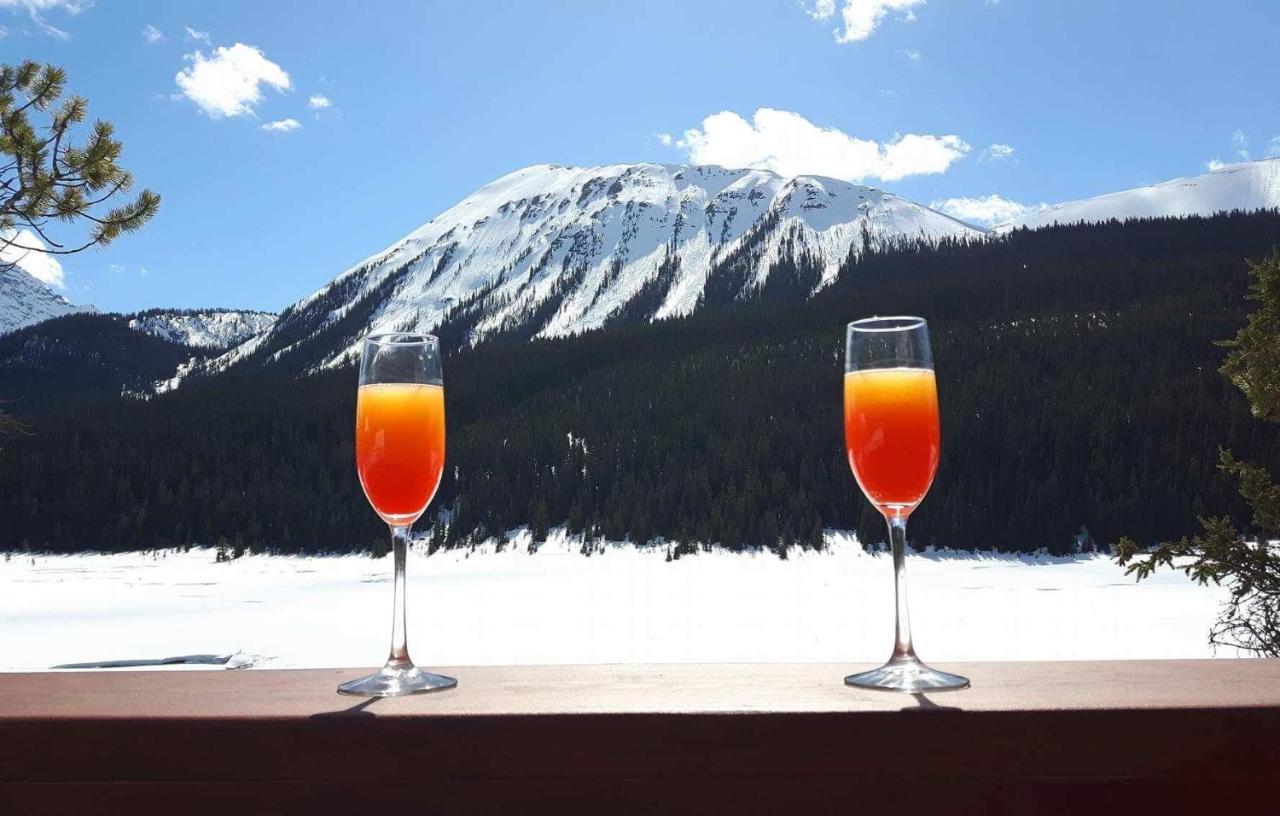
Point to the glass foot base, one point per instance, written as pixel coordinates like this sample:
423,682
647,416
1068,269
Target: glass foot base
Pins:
910,676
396,682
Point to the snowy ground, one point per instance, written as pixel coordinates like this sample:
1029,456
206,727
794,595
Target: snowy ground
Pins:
557,606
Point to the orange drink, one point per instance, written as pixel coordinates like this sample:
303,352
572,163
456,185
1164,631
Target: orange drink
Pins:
892,436
891,433
400,459
400,447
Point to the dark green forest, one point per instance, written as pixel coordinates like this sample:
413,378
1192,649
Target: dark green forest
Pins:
81,360
1077,372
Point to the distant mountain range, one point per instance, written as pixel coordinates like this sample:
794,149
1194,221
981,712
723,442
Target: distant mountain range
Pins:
550,251
26,301
79,356
202,328
1246,186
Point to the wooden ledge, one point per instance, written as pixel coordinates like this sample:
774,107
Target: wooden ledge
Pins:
507,691
1028,737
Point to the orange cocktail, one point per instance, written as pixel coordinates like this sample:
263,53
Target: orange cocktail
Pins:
891,433
400,447
892,436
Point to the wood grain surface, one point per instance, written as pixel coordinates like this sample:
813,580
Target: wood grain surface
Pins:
1178,736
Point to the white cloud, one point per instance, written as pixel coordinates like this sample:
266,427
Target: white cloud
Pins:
985,211
228,81
4,32
35,9
28,252
665,139
151,34
1273,146
913,54
69,6
790,145
120,269
282,125
1214,164
822,9
915,154
862,17
1241,143
318,102
996,152
198,36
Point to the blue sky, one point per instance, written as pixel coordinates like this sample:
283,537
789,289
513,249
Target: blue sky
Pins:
1029,100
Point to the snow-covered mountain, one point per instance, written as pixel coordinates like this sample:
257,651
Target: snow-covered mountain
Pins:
208,328
25,300
552,250
1247,186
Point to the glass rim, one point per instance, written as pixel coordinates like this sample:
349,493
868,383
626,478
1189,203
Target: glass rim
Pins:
391,338
903,323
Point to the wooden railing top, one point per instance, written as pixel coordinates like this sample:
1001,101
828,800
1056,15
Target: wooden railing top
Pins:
485,691
1086,737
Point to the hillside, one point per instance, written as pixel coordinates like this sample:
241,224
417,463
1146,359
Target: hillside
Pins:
59,364
1077,374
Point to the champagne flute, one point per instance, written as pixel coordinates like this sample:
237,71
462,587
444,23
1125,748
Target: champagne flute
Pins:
893,439
400,459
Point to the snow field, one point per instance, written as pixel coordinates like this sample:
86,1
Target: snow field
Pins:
560,607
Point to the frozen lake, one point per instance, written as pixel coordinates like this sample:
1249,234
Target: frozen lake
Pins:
624,606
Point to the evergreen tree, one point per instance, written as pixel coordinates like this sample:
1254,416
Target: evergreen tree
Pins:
9,426
816,536
1250,620
539,523
437,540
44,177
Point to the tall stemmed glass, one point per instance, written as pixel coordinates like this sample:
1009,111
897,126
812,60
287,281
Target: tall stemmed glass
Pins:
400,459
893,438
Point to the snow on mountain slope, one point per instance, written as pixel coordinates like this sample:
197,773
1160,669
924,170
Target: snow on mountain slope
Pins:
553,251
25,300
1247,186
211,328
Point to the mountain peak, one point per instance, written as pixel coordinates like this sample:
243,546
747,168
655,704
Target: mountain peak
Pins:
552,250
25,300
202,328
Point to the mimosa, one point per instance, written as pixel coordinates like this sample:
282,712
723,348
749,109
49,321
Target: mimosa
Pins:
400,447
891,433
400,459
892,436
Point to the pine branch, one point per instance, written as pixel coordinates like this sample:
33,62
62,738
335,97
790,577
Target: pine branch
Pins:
43,177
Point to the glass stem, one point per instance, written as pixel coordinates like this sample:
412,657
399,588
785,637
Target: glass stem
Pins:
399,658
902,649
